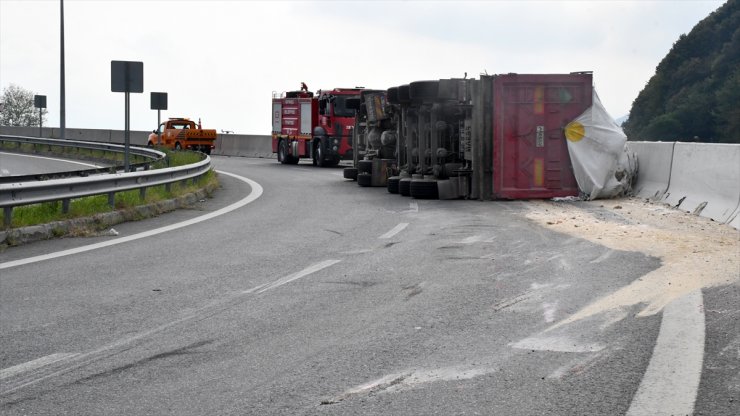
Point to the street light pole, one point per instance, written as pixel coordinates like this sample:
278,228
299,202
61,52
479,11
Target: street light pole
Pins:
62,113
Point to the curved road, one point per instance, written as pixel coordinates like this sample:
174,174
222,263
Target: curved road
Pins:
23,164
302,293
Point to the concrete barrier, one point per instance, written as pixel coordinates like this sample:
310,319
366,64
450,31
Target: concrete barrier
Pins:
138,137
244,145
705,180
654,168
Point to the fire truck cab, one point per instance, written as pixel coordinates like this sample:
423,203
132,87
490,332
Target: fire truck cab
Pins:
317,126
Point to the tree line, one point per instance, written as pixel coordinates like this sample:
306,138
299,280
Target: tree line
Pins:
695,92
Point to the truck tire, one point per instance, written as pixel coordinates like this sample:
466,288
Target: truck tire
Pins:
404,187
393,183
365,166
178,146
350,173
282,152
423,90
424,189
319,159
364,179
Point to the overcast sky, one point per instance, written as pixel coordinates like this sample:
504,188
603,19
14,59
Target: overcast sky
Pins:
221,60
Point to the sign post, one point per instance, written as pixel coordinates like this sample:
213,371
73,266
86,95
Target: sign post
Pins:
126,77
39,101
159,103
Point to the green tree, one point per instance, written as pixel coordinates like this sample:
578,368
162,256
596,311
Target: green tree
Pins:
18,109
695,91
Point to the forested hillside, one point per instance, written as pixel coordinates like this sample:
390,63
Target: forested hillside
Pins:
695,92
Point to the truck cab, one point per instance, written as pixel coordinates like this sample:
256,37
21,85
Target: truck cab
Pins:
183,133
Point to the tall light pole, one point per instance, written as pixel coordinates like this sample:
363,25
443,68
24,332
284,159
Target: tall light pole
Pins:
62,114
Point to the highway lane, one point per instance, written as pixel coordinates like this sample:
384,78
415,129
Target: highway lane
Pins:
24,164
321,297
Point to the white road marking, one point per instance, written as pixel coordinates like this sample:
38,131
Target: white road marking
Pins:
558,344
671,381
33,365
256,193
413,208
472,239
549,310
55,159
397,229
295,276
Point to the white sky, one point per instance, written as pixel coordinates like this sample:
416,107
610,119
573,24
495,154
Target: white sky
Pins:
221,60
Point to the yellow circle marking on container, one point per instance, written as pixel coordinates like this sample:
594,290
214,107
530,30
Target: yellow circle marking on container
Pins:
574,131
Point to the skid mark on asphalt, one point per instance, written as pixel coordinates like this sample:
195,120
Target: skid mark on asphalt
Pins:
256,193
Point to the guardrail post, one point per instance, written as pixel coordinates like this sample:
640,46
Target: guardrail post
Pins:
112,199
65,206
142,193
168,187
7,212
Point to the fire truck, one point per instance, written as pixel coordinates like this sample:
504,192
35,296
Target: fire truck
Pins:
317,126
499,137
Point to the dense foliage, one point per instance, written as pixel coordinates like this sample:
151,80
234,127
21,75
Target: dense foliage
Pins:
695,92
18,109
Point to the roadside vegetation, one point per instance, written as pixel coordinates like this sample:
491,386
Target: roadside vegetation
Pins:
86,207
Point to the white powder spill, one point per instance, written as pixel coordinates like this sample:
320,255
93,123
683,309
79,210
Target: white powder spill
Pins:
696,252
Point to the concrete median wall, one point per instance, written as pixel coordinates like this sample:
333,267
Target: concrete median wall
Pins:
247,145
705,180
138,137
244,145
654,168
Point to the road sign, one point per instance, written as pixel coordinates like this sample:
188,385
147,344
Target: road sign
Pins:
126,76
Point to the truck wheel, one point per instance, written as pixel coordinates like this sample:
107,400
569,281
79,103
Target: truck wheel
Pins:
318,154
365,166
423,90
393,183
282,155
350,173
364,179
178,146
424,189
404,187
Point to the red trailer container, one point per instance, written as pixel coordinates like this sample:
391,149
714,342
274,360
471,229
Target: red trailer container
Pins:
530,151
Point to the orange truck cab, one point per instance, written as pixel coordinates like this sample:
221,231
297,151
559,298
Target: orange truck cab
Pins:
182,133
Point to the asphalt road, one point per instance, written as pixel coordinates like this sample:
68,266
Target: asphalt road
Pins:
323,298
23,164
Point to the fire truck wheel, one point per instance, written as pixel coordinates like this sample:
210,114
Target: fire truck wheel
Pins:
318,154
364,179
350,173
282,152
178,146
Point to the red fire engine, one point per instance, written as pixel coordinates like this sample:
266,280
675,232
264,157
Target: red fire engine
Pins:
316,126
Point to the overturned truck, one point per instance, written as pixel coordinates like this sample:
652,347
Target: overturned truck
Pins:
497,137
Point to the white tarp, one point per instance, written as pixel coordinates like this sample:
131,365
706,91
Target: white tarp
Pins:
602,163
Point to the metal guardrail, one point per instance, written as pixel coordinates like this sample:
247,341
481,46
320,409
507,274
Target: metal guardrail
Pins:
19,193
151,156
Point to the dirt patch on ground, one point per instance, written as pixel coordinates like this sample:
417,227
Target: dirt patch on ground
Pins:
696,252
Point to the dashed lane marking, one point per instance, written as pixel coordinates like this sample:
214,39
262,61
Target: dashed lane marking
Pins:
397,229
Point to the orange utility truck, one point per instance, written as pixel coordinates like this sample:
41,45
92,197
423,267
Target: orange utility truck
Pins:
182,133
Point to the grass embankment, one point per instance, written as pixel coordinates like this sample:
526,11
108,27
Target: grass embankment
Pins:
85,207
